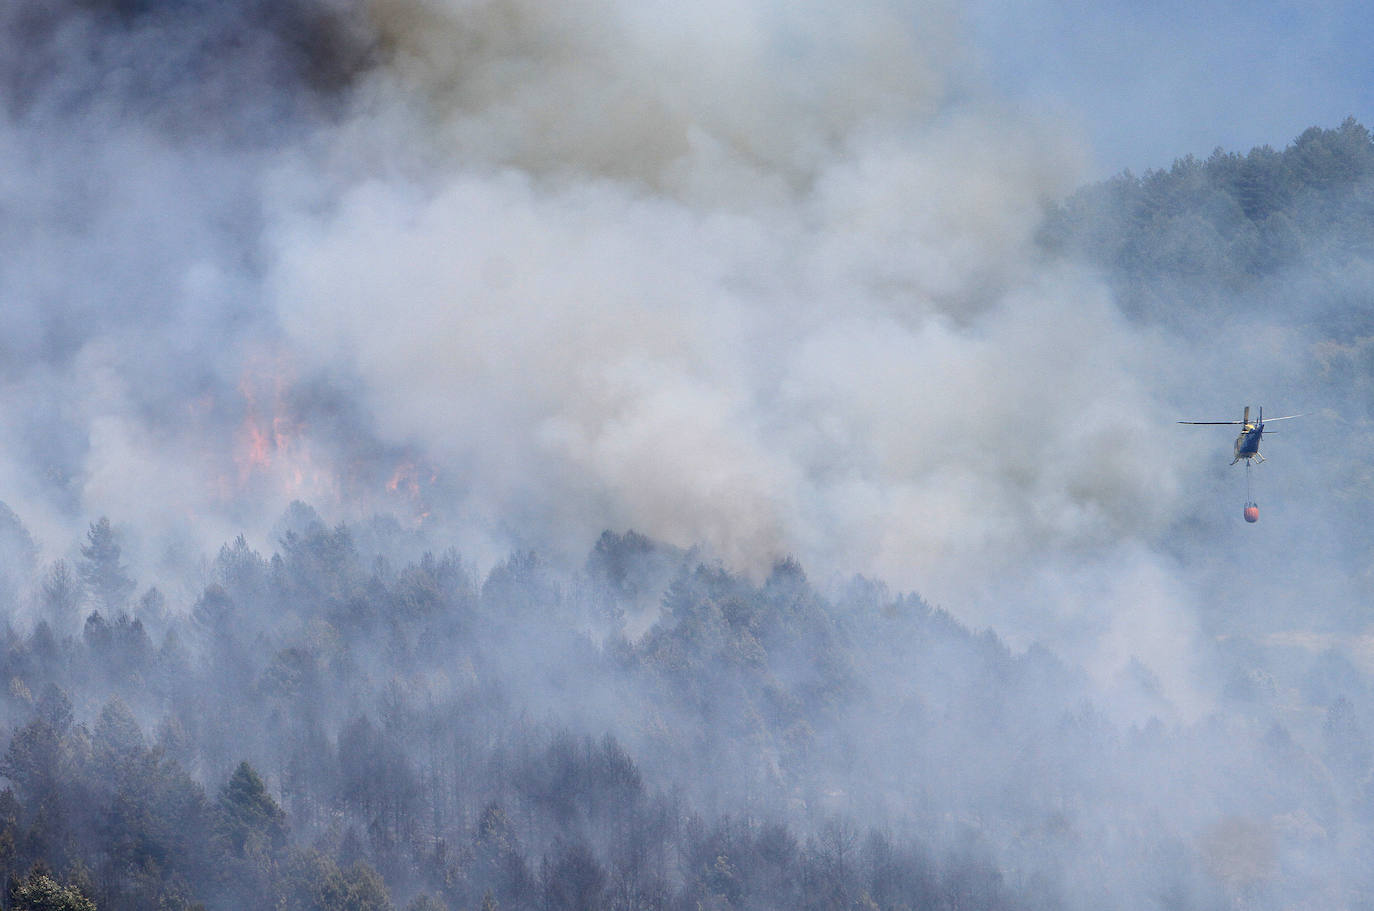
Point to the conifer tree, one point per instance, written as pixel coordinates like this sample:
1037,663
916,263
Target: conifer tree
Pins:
106,578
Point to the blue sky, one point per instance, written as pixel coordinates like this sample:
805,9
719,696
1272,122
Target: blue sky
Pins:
1148,83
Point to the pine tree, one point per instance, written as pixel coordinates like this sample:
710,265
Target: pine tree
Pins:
249,819
61,597
41,893
106,578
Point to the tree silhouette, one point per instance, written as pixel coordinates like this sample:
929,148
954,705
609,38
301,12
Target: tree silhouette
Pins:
106,578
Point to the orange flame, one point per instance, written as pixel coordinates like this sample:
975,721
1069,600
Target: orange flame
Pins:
269,433
408,482
272,450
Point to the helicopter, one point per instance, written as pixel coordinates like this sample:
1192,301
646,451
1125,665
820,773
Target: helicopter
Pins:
1248,442
1247,448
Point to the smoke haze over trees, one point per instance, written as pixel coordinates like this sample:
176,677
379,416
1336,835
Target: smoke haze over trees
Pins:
327,728
337,333
1182,243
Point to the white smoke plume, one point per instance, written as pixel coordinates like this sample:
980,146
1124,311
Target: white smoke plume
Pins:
733,276
759,276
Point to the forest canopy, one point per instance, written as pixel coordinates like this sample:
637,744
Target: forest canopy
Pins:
1192,237
324,728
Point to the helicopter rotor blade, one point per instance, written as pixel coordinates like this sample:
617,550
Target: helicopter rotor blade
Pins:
1213,423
